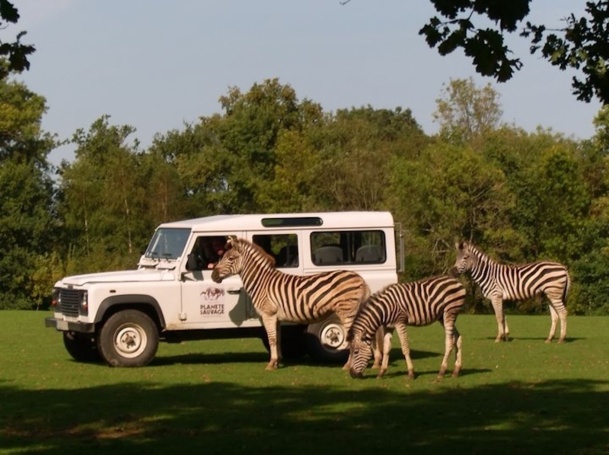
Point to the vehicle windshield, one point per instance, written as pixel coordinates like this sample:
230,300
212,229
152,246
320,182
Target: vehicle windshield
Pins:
167,243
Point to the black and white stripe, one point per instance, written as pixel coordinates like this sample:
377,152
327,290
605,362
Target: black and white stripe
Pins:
279,296
500,282
416,303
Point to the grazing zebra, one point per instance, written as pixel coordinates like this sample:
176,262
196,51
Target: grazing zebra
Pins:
417,303
279,296
501,282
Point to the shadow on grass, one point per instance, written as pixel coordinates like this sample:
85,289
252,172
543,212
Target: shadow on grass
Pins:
263,357
216,358
557,417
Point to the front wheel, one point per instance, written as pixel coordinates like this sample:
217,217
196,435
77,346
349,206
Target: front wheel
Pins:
128,338
324,340
82,347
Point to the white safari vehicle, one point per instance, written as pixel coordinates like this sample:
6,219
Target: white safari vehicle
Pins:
120,317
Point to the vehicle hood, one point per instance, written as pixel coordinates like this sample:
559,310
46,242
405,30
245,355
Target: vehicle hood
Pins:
125,276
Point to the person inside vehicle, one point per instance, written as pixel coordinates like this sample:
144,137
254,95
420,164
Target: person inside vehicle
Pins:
213,250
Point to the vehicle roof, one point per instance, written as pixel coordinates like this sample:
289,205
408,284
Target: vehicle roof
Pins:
351,219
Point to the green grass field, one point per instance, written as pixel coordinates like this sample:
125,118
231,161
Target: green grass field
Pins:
215,397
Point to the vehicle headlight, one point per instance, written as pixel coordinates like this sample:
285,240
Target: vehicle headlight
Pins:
55,298
84,303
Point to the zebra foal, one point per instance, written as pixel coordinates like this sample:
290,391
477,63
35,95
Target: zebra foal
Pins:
416,303
279,296
500,282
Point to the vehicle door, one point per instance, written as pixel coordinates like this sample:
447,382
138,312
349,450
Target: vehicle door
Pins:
204,303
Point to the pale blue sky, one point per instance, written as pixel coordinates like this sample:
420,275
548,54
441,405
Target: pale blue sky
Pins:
156,64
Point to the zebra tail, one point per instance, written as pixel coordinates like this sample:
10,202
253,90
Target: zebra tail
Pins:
566,290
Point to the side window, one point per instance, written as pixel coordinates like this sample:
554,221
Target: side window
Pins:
326,248
371,249
353,247
283,247
207,251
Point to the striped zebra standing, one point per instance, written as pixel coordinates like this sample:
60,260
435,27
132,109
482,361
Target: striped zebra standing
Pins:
501,282
417,303
279,296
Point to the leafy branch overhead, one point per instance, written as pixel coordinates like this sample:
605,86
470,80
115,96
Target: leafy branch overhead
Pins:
15,53
581,44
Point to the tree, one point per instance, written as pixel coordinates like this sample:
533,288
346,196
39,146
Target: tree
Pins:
580,44
449,193
15,53
356,148
27,223
103,196
466,112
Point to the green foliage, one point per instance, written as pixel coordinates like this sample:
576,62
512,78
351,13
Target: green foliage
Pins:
521,196
466,113
27,227
580,44
103,199
13,55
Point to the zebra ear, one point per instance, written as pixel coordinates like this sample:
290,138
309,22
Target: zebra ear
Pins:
232,239
459,245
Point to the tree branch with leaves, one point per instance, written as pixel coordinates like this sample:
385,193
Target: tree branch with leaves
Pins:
581,44
15,53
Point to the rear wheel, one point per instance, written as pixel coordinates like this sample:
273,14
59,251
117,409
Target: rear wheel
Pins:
324,340
82,347
128,338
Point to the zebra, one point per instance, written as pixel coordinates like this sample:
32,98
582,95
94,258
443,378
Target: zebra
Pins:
416,303
279,296
501,282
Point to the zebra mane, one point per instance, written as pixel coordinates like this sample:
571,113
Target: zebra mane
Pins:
244,245
481,255
372,300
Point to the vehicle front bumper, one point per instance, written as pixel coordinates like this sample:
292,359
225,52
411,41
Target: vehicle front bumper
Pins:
69,326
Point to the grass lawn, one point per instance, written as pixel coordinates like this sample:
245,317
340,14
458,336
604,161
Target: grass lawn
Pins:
215,397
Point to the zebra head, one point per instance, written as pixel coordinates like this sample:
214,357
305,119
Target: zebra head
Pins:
361,352
230,263
465,258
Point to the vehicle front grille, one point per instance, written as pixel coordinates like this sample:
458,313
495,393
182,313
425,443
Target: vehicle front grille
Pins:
69,301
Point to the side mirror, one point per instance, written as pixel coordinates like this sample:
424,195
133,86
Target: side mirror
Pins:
192,263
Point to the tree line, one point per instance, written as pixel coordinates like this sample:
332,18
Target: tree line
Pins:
520,196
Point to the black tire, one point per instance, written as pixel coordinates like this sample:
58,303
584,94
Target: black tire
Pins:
293,342
82,347
334,334
128,338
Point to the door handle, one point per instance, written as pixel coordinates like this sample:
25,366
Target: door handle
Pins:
233,291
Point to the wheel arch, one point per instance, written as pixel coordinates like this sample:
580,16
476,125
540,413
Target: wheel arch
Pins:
142,302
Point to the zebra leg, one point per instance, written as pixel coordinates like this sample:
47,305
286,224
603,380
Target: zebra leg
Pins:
554,316
271,325
403,334
386,343
497,303
346,320
562,314
458,343
557,312
278,342
347,365
378,347
449,342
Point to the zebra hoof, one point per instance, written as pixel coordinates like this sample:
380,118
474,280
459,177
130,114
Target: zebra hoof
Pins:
272,366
